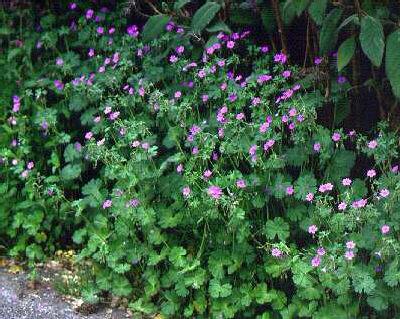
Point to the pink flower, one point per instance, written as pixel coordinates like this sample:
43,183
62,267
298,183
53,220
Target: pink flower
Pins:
107,203
325,187
336,137
342,206
316,261
276,252
133,203
252,150
286,74
173,58
349,255
179,168
289,190
321,251
214,192
207,174
240,116
317,147
178,94
230,44
372,144
385,229
312,229
384,192
269,144
309,197
101,142
346,182
30,165
88,135
350,244
180,49
186,191
89,14
135,144
371,173
240,183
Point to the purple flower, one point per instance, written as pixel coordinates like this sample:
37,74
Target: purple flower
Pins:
336,137
59,61
230,44
100,30
316,261
286,74
290,190
186,191
312,229
317,60
325,187
180,49
372,144
309,197
91,52
215,192
276,252
317,147
88,135
269,144
133,31
58,84
350,244
342,206
280,57
346,182
371,173
89,14
321,251
264,49
107,203
173,58
385,229
341,79
384,192
72,6
133,203
240,183
349,255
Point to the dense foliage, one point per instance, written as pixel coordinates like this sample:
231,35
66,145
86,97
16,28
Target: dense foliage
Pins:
194,178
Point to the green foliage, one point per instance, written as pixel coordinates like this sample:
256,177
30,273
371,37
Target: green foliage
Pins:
392,61
372,39
192,178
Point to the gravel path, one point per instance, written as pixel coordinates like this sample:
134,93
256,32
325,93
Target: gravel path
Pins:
18,302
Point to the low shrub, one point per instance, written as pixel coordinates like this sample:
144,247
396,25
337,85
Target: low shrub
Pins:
196,183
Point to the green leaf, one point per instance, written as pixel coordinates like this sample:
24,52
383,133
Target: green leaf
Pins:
219,26
363,283
121,286
71,171
372,39
218,290
180,4
350,19
342,109
154,26
329,33
392,61
392,275
204,15
277,228
346,52
268,19
340,165
71,153
317,10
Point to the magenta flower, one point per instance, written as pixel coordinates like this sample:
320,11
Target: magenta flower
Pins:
317,147
384,192
290,190
88,135
240,116
215,192
385,229
276,252
350,244
30,165
89,14
321,251
269,144
252,150
178,94
280,57
186,191
316,261
207,174
100,30
107,203
230,44
309,197
342,206
346,182
264,49
317,60
371,173
372,144
133,31
325,187
336,137
240,183
173,58
180,49
286,74
312,229
349,255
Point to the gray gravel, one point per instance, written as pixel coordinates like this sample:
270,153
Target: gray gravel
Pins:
18,302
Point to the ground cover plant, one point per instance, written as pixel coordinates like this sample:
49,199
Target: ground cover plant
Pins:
194,178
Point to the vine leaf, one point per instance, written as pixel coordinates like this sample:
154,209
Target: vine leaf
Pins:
204,15
154,27
345,53
392,61
372,39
